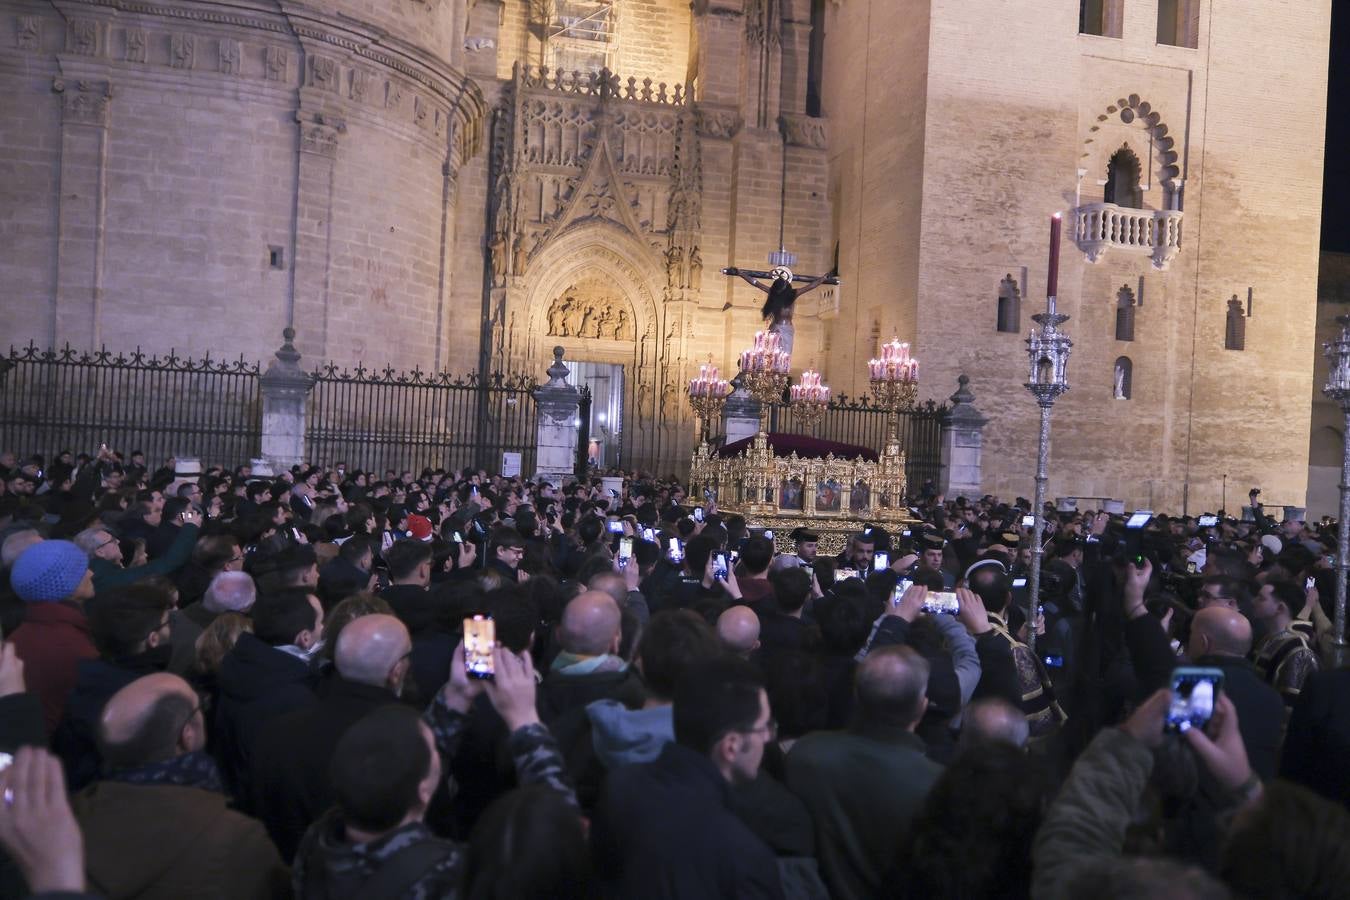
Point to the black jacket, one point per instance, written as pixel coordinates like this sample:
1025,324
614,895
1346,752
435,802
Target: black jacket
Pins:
289,775
665,830
257,682
1259,707
427,614
1317,746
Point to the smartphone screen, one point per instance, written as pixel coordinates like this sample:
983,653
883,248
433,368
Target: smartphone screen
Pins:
480,635
1028,521
615,526
1208,521
458,538
1310,584
844,574
768,535
649,534
1019,583
901,586
625,547
942,603
675,550
720,566
1194,692
1140,518
698,514
880,560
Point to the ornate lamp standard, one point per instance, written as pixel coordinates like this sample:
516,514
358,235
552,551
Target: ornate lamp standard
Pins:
707,395
809,399
1338,389
1048,350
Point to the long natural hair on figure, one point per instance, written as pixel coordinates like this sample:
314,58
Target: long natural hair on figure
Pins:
781,296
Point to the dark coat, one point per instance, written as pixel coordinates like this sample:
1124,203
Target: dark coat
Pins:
289,775
862,787
665,829
425,613
1318,743
149,841
1259,707
256,682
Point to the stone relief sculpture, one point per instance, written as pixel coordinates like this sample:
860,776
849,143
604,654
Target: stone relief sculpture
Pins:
583,314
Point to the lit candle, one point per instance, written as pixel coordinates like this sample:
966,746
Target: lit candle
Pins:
1052,277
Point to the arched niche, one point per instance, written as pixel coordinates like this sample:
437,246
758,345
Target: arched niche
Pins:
1134,125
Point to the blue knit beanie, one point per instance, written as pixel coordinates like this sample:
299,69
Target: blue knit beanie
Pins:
48,572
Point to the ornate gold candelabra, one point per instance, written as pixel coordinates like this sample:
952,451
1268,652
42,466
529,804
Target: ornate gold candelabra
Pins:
766,387
810,399
894,379
708,395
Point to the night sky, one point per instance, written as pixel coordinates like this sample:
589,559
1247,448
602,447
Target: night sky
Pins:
1336,190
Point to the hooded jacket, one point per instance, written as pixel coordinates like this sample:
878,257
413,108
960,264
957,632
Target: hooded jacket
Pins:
623,736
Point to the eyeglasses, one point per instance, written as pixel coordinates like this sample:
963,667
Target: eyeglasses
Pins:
110,540
769,728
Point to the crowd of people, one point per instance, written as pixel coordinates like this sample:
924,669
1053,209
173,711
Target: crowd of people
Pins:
333,683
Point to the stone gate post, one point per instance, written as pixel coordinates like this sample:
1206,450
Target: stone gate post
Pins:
285,389
556,428
962,443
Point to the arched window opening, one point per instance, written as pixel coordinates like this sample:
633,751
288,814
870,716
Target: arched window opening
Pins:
1009,306
1124,377
1235,329
1123,175
1125,306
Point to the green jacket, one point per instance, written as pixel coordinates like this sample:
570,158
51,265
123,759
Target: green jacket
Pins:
862,786
1085,826
108,575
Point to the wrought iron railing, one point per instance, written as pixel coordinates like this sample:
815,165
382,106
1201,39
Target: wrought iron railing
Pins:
863,423
55,400
385,419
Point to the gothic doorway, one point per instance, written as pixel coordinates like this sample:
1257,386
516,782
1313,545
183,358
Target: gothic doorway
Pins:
606,382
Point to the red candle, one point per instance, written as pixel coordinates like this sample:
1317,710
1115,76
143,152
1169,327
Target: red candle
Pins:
1052,279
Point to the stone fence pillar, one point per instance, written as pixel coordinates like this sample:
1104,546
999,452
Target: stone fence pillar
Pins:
556,428
740,417
962,444
285,389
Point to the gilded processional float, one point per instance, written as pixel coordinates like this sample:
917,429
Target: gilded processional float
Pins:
833,495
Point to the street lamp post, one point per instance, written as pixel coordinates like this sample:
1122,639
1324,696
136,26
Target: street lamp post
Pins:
1048,351
1338,389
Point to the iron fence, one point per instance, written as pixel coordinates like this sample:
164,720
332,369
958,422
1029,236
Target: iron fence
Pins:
55,400
863,423
381,420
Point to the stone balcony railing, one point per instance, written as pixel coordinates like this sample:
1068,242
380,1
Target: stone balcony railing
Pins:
1103,226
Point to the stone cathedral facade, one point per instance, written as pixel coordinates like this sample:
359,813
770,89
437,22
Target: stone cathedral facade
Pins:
463,184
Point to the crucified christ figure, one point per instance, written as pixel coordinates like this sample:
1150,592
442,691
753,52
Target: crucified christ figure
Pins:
777,309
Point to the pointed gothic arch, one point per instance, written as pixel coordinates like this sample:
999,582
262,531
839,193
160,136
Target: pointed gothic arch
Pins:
1123,179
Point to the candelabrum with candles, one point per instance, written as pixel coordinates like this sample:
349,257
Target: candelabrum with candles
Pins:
707,395
1048,352
764,367
1338,389
894,379
810,399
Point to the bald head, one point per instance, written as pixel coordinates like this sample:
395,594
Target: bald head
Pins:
370,649
15,544
153,719
590,624
891,684
738,627
611,583
993,721
1219,631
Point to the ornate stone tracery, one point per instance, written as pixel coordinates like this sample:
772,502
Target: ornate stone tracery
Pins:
590,309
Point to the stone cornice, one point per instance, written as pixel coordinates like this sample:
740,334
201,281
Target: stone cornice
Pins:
366,41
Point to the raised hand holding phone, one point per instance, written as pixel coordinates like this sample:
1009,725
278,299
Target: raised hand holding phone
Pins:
512,689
